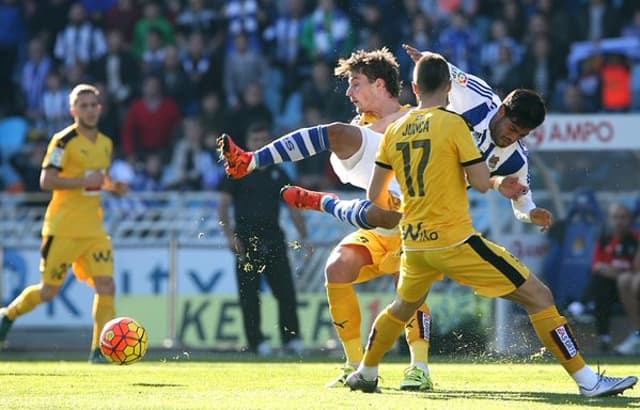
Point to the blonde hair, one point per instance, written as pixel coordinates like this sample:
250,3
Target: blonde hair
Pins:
81,89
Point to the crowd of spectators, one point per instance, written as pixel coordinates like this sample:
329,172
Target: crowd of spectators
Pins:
174,74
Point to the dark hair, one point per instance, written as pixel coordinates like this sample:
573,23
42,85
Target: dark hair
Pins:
525,108
374,64
432,73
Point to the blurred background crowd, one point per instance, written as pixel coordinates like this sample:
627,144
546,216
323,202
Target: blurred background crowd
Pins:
175,74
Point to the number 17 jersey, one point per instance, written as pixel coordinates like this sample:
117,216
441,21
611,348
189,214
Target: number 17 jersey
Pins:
427,150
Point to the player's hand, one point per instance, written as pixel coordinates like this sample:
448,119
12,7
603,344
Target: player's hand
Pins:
120,188
236,246
93,180
510,187
414,53
541,217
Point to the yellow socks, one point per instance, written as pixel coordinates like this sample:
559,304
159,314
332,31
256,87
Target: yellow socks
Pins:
418,333
345,313
103,311
386,330
554,332
25,302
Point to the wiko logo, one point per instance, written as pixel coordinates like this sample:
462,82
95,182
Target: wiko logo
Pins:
102,256
416,233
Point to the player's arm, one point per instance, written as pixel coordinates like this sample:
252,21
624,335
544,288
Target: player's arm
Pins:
381,125
223,216
380,215
474,165
117,187
50,180
525,210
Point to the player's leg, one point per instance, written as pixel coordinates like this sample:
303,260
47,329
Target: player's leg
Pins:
415,281
341,139
493,271
360,213
346,263
418,335
95,266
280,280
248,280
56,256
629,293
605,295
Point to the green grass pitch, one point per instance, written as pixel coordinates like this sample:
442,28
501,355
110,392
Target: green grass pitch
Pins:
209,381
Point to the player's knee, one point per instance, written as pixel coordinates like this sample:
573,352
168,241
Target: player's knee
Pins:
48,292
344,139
339,271
402,309
105,285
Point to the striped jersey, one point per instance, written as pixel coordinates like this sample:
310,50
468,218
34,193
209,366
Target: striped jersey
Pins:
474,99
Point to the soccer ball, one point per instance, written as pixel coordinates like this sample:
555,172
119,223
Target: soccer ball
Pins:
123,340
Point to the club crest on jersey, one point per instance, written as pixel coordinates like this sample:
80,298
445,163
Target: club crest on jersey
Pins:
565,340
493,161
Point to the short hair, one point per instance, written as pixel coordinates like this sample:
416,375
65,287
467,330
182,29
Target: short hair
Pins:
380,63
525,108
432,73
81,89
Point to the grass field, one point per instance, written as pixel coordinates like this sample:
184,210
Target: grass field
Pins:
237,382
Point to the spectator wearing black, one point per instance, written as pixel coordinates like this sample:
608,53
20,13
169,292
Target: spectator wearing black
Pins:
118,69
197,66
252,109
614,255
321,91
257,240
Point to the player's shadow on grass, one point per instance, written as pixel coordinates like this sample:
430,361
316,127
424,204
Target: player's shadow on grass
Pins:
157,385
624,402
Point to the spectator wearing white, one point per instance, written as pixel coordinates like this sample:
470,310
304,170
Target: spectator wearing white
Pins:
80,42
55,104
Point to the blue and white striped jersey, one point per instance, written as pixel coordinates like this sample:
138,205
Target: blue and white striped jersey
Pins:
474,99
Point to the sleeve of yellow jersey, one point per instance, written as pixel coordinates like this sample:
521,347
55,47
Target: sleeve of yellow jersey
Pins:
462,135
54,158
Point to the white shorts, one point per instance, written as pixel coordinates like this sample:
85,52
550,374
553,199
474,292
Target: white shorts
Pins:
357,169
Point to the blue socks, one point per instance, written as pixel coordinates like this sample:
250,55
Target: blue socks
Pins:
297,145
353,212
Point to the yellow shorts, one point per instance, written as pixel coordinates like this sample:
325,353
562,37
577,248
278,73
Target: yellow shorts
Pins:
490,269
89,257
385,252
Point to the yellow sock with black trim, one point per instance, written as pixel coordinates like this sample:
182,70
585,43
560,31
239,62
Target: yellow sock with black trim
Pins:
418,333
386,330
103,311
345,313
556,335
25,302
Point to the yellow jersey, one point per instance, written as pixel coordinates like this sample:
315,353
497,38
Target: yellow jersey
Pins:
427,149
76,213
367,118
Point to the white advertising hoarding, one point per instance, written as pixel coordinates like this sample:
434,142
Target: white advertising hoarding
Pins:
138,271
593,132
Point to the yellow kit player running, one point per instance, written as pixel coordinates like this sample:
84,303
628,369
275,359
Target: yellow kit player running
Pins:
364,255
432,153
73,236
